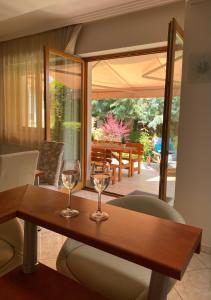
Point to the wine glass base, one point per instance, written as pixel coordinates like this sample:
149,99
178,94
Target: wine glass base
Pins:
69,213
99,216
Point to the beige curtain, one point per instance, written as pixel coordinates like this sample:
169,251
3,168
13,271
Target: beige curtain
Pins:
22,86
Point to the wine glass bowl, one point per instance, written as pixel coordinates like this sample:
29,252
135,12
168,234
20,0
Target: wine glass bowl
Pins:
100,178
70,179
100,181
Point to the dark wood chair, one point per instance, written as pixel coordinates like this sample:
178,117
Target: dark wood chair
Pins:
102,156
137,153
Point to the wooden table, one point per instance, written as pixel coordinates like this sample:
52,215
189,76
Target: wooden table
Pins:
164,246
120,149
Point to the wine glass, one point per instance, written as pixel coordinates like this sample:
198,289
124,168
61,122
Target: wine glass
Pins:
100,178
70,178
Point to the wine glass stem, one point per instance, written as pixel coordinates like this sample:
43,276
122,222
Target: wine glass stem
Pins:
99,202
69,205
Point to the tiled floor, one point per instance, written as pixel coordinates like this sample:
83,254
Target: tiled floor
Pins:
195,285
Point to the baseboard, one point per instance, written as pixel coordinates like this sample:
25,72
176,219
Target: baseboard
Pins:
206,249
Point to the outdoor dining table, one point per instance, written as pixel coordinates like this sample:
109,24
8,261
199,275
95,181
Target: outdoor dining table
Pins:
161,245
120,149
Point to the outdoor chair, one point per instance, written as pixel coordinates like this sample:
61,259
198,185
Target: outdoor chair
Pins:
102,156
115,156
109,275
136,157
16,169
121,163
51,163
157,148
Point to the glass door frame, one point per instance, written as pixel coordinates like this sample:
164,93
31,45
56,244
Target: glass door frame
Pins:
83,105
173,30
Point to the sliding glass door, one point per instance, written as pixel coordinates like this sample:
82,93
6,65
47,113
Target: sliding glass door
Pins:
64,108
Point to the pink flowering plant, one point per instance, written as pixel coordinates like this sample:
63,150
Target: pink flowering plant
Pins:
113,129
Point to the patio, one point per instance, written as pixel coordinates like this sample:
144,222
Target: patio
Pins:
146,182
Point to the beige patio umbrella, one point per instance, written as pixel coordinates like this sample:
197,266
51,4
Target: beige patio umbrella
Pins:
133,77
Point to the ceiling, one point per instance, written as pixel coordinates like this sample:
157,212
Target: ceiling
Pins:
23,17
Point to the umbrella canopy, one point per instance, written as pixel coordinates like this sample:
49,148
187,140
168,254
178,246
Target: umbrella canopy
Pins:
133,77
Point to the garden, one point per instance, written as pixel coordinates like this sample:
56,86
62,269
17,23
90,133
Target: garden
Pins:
134,120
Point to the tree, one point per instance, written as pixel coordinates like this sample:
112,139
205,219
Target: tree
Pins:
147,111
100,108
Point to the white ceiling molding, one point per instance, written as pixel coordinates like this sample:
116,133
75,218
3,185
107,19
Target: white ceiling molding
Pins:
120,10
55,20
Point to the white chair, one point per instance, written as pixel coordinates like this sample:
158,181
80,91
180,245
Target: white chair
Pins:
16,169
109,275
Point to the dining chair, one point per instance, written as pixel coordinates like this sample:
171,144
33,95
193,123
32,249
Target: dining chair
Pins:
137,152
121,162
16,169
100,156
51,163
109,275
116,150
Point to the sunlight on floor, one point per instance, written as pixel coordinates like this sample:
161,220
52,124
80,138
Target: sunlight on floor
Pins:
157,179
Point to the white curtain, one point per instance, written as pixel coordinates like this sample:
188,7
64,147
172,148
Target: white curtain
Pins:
22,85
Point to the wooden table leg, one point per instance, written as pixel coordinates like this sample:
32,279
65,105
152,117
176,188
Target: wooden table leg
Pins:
120,166
159,287
30,248
130,171
113,175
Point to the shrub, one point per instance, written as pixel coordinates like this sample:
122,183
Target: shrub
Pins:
145,139
97,134
114,130
135,136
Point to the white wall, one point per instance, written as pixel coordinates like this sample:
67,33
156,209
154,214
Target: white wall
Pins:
139,28
193,186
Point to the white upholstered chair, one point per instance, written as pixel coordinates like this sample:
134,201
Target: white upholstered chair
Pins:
111,276
16,169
